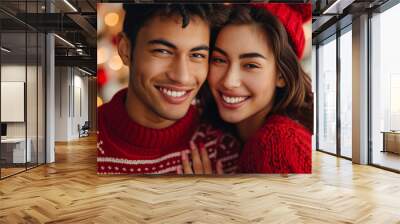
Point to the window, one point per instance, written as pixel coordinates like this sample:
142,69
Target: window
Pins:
385,89
327,96
346,75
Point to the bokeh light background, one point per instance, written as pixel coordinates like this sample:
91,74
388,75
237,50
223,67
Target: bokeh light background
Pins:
112,74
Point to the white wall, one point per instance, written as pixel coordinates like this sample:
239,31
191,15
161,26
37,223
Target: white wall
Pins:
80,100
61,103
71,92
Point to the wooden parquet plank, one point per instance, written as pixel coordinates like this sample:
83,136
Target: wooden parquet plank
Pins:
69,191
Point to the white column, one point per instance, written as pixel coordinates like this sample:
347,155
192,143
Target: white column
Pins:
50,99
50,92
360,90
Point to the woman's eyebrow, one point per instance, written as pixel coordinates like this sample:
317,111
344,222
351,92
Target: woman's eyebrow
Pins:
220,51
251,55
245,55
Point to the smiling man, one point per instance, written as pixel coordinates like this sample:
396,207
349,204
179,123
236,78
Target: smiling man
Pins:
150,126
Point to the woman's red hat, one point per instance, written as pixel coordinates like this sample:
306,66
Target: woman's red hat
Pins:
292,16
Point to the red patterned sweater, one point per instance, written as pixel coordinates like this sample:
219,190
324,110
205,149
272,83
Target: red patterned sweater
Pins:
125,147
281,146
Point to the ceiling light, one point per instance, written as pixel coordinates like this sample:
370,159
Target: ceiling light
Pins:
337,7
84,71
326,11
65,41
5,49
70,5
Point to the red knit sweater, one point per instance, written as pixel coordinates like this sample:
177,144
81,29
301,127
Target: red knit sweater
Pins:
125,147
281,146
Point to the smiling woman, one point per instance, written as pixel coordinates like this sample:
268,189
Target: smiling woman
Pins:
260,89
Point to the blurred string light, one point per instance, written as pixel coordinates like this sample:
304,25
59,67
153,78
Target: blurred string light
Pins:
307,27
307,30
101,76
115,63
99,101
111,72
111,19
102,55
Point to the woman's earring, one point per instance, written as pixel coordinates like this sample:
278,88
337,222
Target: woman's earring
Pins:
280,82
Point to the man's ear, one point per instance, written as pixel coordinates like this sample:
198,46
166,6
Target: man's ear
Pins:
280,81
124,48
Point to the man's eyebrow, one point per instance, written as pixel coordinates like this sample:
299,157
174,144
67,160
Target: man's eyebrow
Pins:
162,42
251,55
201,48
171,45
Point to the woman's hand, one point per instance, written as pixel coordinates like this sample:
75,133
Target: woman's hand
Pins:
201,162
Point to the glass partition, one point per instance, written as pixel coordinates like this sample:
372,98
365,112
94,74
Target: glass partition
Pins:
22,88
15,150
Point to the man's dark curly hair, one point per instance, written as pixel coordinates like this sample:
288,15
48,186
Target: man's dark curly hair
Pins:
136,15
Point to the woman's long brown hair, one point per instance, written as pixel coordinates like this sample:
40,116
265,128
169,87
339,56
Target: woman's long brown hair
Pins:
295,99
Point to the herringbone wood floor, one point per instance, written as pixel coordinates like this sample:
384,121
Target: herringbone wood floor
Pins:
69,191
